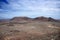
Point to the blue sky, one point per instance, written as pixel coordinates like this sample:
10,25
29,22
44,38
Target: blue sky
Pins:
30,8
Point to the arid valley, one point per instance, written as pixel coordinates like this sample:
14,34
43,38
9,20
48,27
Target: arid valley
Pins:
25,28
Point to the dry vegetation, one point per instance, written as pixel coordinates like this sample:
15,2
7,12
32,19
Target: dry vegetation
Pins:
35,30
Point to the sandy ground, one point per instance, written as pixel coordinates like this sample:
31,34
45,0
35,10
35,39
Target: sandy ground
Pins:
30,31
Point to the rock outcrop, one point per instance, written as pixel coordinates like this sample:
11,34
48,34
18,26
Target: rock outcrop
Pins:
44,19
20,19
27,19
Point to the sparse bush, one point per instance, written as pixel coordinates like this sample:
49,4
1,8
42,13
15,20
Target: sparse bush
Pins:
10,24
14,31
1,36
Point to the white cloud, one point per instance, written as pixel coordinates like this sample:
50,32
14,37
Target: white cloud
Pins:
32,7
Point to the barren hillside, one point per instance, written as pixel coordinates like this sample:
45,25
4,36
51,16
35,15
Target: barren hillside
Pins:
23,28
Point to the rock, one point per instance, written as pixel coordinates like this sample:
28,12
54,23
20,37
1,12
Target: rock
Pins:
21,20
44,19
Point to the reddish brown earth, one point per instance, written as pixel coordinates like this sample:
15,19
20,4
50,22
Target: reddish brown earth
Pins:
44,19
25,28
33,19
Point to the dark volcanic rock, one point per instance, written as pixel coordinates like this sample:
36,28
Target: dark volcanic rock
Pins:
20,18
44,19
27,19
41,18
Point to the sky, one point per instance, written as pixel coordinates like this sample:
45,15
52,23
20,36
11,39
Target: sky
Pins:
30,8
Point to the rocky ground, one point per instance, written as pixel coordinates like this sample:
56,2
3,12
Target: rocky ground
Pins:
30,29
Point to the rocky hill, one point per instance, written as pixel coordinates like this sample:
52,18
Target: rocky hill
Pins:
27,19
33,19
20,18
25,28
44,19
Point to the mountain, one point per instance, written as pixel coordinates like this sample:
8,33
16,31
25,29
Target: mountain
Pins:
27,19
21,19
21,28
44,19
4,21
33,19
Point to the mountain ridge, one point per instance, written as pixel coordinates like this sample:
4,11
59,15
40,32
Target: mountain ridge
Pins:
19,19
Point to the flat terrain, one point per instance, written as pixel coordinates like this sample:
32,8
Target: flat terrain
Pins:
35,30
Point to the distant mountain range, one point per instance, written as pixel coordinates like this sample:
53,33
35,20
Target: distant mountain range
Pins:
27,19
